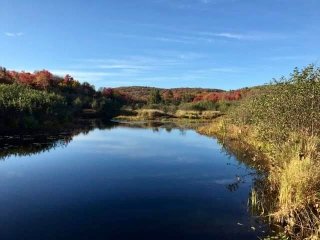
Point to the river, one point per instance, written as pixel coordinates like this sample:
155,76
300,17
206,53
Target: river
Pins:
123,182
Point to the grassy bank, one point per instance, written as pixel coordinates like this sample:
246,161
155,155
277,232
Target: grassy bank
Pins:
282,124
289,195
156,114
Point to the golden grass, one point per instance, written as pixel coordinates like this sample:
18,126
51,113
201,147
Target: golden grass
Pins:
155,114
197,114
145,114
293,177
151,114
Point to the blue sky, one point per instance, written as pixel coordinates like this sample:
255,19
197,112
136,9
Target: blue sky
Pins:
224,44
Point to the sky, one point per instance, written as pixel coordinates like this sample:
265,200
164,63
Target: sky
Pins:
226,44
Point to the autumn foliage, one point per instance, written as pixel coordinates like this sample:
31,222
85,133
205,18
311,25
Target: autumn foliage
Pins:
67,85
182,95
27,98
79,98
219,96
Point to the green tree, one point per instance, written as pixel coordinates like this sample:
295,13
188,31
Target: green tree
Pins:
168,97
155,96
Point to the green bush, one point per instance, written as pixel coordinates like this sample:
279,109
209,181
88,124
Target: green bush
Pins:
221,106
285,106
107,108
26,107
198,106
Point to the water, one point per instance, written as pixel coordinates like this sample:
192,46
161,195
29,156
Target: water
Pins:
123,183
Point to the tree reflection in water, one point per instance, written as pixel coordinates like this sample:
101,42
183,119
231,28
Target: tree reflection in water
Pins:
33,142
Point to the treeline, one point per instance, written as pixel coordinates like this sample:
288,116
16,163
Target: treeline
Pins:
194,99
31,100
181,95
142,94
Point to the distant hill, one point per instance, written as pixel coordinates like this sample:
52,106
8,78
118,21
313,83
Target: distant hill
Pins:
142,93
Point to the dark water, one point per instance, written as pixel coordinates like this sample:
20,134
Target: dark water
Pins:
123,183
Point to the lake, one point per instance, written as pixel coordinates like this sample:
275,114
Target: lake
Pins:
123,182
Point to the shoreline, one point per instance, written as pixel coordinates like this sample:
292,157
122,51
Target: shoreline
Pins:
266,198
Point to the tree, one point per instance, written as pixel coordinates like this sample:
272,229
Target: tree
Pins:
155,96
168,97
42,79
4,76
187,97
107,92
26,78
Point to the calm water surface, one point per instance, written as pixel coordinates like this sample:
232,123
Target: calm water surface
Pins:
126,183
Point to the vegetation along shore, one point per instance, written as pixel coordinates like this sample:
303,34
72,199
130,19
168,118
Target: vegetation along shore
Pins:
281,122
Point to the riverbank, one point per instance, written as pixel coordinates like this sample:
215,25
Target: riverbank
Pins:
288,194
159,115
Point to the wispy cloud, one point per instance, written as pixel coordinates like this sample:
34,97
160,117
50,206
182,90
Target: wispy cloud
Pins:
233,36
150,68
122,71
193,4
154,38
98,78
78,74
172,34
245,36
226,69
195,76
122,67
132,62
292,58
14,34
184,38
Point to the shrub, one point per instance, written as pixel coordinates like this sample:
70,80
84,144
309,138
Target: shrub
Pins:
198,106
285,106
29,106
285,116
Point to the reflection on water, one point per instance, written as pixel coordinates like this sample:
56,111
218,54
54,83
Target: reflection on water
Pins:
28,143
123,181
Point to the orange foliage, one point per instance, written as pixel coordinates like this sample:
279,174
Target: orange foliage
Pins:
218,96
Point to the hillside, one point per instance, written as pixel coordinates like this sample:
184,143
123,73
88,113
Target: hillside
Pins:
140,93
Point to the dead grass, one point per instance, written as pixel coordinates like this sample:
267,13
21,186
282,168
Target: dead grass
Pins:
151,114
155,114
197,114
293,178
145,114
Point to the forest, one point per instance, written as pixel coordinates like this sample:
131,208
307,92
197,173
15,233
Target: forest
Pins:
42,99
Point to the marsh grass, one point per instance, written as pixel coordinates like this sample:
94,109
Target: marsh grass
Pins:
155,114
197,114
289,194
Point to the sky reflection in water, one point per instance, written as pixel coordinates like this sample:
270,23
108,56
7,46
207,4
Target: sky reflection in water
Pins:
126,183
